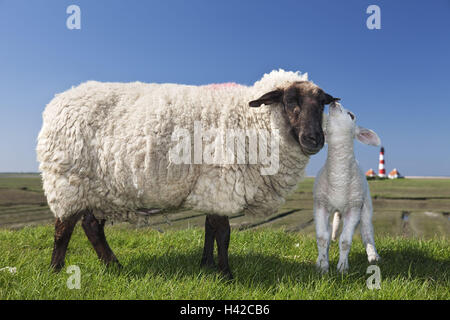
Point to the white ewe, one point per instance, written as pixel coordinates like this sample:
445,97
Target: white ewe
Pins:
342,187
109,150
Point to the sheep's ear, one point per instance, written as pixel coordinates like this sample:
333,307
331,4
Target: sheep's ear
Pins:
271,97
329,99
367,136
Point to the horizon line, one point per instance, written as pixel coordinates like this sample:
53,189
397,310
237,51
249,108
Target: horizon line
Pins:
308,176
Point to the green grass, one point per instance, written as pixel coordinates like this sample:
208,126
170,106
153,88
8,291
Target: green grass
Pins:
267,264
410,188
265,261
27,182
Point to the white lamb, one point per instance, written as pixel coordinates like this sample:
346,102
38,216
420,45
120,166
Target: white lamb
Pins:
105,151
342,187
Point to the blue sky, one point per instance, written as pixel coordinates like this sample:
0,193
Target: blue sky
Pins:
395,79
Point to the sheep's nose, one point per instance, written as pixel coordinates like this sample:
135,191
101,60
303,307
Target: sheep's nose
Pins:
310,140
311,144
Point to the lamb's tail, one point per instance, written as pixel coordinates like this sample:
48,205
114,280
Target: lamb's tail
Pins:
336,221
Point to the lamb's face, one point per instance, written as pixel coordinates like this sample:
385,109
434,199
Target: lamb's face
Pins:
303,103
341,122
341,126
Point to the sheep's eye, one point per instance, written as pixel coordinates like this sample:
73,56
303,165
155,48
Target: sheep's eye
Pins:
351,115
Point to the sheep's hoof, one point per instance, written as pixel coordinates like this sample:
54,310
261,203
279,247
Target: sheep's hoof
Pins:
227,275
57,267
208,264
114,266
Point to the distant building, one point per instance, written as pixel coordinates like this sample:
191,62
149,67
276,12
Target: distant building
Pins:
370,173
394,174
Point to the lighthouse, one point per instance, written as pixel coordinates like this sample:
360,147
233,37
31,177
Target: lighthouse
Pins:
381,169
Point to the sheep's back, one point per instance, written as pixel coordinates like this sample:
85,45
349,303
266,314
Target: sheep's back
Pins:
105,145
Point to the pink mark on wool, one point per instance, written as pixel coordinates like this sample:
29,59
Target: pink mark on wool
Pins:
223,85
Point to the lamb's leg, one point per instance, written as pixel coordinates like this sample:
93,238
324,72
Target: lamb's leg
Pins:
208,249
351,220
94,230
367,233
321,217
63,232
336,221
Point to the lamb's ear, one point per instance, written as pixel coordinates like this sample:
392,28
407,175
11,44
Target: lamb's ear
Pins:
367,136
271,97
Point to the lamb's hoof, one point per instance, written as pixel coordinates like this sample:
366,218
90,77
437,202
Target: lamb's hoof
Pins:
342,266
322,267
373,259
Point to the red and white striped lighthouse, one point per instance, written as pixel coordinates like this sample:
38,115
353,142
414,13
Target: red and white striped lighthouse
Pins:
381,169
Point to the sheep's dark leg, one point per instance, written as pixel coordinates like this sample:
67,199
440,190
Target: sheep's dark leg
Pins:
223,240
63,232
94,230
217,227
221,228
208,249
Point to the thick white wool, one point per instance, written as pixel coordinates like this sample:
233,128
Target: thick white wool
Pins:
105,147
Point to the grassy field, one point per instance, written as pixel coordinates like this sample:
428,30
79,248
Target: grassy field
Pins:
405,207
272,258
267,264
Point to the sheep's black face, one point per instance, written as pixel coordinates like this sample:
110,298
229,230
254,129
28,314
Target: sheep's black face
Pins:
303,104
